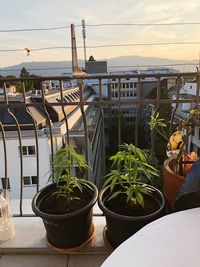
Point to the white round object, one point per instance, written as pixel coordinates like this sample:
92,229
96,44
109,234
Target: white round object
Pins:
173,240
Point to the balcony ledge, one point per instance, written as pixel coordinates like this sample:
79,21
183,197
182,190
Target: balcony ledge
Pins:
30,239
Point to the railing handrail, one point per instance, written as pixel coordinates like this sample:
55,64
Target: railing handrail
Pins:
104,76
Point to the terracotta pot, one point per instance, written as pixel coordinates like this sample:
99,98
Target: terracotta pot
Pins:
172,181
188,157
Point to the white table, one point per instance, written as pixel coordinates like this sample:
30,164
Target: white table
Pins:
171,241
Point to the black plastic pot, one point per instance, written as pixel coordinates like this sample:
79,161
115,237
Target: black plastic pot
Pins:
120,227
67,230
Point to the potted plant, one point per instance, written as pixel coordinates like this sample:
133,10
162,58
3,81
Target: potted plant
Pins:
127,199
178,163
66,204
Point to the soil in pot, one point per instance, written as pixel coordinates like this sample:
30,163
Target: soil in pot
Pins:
119,205
53,204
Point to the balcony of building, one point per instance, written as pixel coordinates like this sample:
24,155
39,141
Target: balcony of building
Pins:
33,127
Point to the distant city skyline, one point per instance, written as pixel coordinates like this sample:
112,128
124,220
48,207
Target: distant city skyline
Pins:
49,14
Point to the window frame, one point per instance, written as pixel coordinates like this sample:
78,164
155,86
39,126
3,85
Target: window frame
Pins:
30,184
3,183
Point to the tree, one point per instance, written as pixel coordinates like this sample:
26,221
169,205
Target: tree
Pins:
91,58
28,83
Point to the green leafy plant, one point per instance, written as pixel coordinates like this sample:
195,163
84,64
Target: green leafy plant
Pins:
130,172
158,125
61,170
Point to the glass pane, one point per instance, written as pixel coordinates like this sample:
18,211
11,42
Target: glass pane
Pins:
3,180
24,150
31,150
27,180
34,179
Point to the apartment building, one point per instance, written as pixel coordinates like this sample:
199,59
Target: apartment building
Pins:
41,117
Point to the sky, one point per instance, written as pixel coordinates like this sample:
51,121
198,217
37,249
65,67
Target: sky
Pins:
32,14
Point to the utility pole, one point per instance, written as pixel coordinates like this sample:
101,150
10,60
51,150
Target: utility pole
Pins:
84,37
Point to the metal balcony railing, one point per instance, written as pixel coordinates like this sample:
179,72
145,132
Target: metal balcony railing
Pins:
45,113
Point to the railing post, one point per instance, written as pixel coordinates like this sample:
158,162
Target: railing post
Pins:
50,127
63,110
179,82
81,104
20,148
35,132
103,125
119,113
138,109
154,111
5,155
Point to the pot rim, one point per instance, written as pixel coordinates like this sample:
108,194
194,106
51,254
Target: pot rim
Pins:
44,215
167,167
125,217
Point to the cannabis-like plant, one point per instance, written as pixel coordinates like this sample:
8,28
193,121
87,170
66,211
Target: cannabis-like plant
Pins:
130,172
61,170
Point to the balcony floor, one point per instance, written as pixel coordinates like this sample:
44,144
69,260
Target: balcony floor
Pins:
52,260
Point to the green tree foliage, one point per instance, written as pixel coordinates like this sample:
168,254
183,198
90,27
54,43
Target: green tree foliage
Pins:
28,83
91,58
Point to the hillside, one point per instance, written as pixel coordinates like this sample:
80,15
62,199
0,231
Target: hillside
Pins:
51,68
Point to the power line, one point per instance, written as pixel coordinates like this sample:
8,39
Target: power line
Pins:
103,46
143,24
142,44
101,25
36,29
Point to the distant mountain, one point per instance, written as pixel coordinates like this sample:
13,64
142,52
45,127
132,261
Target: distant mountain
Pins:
57,68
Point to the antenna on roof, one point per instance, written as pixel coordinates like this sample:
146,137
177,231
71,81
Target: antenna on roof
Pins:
75,68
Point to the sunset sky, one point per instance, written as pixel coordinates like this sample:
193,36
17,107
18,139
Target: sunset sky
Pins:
43,14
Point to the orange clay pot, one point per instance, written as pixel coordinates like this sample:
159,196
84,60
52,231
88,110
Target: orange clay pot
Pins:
188,157
172,181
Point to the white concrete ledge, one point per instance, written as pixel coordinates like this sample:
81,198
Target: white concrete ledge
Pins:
30,239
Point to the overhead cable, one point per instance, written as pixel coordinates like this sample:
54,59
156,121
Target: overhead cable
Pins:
100,25
104,46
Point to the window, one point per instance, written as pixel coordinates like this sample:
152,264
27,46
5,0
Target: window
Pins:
3,181
30,180
28,150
